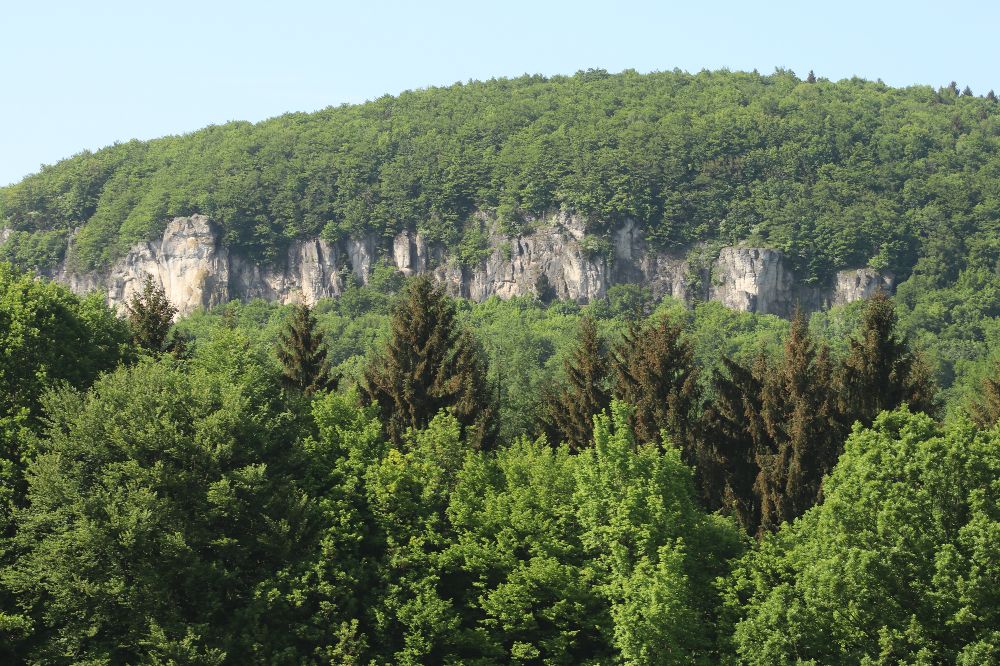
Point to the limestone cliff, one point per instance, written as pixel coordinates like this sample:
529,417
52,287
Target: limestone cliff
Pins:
197,270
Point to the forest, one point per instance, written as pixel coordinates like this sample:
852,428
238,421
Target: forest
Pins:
837,174
398,477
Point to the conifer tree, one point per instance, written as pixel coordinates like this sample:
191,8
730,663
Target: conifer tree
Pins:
811,78
985,409
731,427
569,410
428,365
303,354
150,316
465,383
654,372
804,436
880,371
992,96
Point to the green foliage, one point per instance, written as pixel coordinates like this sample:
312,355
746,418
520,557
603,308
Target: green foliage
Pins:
428,364
897,565
156,503
654,372
39,249
880,372
303,354
150,316
570,407
837,174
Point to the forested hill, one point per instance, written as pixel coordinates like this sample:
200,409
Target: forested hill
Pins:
836,174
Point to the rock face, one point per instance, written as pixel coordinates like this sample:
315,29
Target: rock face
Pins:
557,260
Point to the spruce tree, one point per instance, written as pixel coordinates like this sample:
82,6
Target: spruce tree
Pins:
811,78
464,381
992,96
880,371
731,427
654,372
985,408
803,431
427,365
150,316
303,355
569,410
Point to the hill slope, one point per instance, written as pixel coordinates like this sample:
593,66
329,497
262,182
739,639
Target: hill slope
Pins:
835,174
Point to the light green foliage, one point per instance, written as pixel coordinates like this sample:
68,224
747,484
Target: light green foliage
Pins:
899,564
652,547
518,539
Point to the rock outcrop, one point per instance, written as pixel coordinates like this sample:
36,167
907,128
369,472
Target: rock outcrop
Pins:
197,270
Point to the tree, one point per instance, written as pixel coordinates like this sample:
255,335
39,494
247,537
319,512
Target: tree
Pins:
651,545
150,315
731,428
811,78
799,415
880,372
992,96
570,409
899,563
654,372
158,502
985,408
428,365
967,92
303,354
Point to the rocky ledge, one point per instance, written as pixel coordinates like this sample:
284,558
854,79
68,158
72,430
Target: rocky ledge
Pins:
197,270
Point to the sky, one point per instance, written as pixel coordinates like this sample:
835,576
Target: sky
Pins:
82,75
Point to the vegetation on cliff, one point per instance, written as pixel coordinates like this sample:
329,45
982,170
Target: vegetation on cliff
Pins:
836,174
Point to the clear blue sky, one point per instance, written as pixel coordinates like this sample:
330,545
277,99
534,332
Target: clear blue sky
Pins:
86,74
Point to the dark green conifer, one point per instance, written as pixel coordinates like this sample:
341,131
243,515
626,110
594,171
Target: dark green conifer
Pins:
985,408
569,410
428,365
992,96
150,316
303,354
803,432
731,428
811,78
654,372
880,371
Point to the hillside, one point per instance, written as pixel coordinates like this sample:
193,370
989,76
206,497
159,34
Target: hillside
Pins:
836,175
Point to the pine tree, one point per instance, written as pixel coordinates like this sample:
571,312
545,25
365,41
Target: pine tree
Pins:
880,372
150,315
811,78
428,365
992,96
985,409
303,354
569,410
654,372
967,92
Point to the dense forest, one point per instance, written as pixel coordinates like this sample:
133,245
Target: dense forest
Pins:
398,477
836,174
